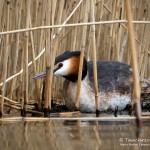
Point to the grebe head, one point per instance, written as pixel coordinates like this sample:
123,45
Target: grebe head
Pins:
67,66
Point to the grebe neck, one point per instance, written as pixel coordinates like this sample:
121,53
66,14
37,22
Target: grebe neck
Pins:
73,77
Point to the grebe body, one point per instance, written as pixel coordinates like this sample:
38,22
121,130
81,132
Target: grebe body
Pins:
114,81
115,85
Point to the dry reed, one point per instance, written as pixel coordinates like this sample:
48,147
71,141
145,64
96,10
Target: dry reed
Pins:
79,80
46,92
111,118
136,87
72,25
82,50
5,58
26,80
94,57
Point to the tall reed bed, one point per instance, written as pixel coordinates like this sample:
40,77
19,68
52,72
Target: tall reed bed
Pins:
109,40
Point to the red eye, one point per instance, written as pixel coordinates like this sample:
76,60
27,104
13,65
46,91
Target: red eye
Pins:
60,65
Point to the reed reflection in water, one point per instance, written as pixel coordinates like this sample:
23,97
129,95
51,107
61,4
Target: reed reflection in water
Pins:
72,135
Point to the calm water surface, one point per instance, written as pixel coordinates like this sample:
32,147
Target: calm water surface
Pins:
67,134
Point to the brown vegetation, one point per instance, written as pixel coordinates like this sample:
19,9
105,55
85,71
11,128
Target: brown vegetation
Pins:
20,48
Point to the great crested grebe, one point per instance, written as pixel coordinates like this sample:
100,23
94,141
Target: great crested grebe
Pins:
114,81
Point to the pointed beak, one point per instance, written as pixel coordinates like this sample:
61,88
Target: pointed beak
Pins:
41,75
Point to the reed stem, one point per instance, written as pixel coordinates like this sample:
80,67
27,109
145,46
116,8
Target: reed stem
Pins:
94,60
79,80
84,30
26,54
72,25
5,59
136,90
46,92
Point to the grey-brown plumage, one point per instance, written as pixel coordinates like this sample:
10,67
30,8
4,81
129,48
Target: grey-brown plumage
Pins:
112,76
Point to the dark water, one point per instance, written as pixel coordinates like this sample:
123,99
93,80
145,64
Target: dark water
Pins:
61,134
